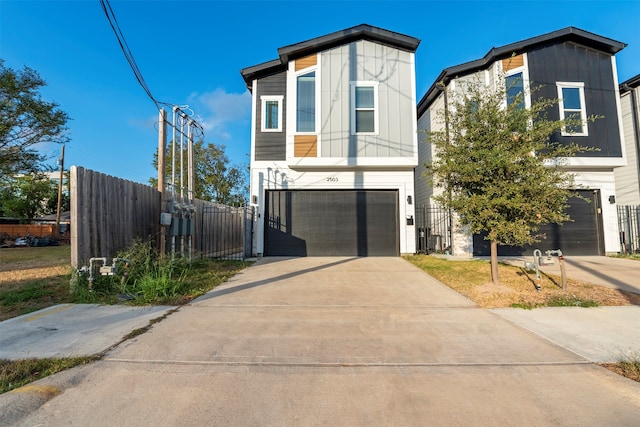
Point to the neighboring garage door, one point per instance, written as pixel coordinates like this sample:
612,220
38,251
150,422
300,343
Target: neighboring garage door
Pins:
583,236
326,223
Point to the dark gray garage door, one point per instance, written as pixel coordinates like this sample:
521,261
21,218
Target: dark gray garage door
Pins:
583,236
326,223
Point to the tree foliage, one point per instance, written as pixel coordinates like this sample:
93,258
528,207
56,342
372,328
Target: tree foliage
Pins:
215,179
26,120
499,167
30,196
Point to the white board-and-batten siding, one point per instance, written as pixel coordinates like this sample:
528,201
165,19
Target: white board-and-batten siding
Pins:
627,179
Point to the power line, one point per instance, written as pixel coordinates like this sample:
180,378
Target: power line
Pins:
111,17
113,22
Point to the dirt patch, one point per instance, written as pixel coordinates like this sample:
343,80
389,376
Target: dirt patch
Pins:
517,286
623,369
33,273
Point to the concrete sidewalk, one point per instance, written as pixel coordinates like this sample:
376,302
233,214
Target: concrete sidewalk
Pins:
69,330
325,341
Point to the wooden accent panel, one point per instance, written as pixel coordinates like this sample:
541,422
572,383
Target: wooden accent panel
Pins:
306,62
305,146
512,62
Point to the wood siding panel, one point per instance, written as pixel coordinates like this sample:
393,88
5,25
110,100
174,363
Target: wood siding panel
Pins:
306,62
568,62
271,145
512,62
305,146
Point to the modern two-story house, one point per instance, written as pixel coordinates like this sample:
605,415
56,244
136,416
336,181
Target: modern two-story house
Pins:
334,145
628,177
579,69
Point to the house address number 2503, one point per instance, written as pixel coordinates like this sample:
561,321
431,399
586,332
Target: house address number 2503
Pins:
331,179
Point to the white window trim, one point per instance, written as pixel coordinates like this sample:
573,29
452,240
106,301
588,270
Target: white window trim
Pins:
376,110
583,107
264,99
524,69
294,99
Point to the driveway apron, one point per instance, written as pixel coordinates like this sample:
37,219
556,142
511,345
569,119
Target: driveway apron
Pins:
335,341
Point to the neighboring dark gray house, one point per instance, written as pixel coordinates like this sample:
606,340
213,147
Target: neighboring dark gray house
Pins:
578,68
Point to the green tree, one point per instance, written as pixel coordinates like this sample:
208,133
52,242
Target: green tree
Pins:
30,196
215,179
26,120
500,168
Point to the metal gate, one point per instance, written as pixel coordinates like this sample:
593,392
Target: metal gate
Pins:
226,232
434,229
629,226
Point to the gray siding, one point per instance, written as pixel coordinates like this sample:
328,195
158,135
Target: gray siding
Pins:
627,177
569,62
270,145
430,121
367,61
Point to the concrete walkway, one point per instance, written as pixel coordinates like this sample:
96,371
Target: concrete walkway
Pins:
326,341
69,330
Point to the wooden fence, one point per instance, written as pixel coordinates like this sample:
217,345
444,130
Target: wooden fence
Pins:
108,213
34,230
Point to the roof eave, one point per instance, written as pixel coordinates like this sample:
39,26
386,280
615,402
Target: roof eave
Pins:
577,35
630,84
249,74
360,32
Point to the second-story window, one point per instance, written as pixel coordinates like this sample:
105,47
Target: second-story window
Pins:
515,89
572,106
306,102
364,113
271,113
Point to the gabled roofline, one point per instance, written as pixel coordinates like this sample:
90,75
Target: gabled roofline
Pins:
359,32
265,69
308,47
630,84
573,34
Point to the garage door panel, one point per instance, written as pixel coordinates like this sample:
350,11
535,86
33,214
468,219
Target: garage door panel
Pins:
325,223
581,236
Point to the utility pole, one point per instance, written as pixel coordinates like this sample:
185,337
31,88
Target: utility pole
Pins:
60,193
162,150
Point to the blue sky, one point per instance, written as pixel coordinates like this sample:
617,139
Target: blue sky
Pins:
191,52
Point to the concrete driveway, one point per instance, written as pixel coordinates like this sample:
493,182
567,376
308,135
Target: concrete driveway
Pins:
331,341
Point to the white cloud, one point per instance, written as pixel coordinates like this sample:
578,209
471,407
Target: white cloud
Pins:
218,110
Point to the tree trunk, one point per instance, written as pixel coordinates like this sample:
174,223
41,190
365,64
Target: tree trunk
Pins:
494,263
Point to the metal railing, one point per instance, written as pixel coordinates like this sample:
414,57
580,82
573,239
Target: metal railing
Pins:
433,229
629,227
226,232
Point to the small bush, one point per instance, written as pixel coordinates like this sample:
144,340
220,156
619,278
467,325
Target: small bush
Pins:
149,279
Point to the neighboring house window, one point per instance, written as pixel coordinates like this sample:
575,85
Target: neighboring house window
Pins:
306,102
364,112
515,89
572,106
271,113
